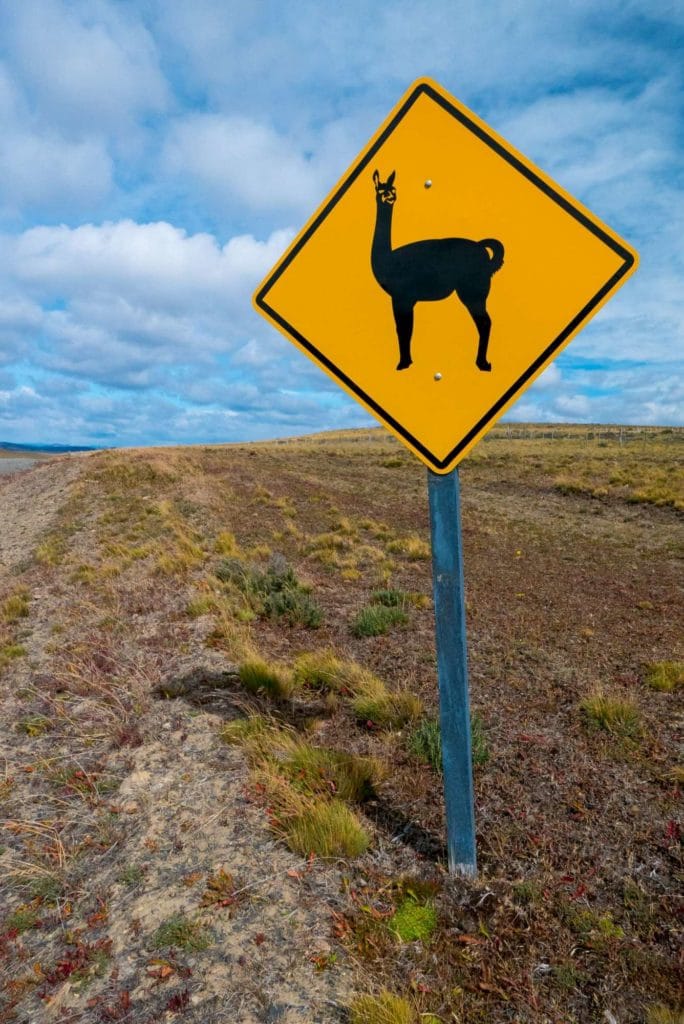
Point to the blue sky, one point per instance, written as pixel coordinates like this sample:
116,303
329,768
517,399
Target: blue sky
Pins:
156,156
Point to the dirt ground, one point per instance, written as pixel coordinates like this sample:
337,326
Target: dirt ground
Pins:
142,876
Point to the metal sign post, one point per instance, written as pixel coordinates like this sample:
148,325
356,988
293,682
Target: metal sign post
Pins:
452,667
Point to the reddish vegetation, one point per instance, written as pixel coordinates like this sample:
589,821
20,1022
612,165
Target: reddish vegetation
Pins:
123,812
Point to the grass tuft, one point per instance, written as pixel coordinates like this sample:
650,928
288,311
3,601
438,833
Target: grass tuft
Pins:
320,670
665,676
425,742
260,676
226,543
242,730
317,770
306,786
373,702
16,606
8,653
21,920
415,548
377,619
34,725
327,828
661,1014
614,715
385,1008
389,598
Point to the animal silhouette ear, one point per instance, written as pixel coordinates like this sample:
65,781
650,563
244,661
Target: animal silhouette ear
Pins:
390,180
376,178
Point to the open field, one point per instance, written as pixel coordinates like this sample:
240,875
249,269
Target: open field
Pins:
220,791
15,462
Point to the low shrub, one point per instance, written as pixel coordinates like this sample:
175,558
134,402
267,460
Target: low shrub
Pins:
181,932
274,592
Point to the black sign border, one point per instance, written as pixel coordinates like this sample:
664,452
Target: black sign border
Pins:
425,89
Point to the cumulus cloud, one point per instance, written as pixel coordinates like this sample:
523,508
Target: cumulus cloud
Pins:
86,65
154,264
149,308
239,160
153,155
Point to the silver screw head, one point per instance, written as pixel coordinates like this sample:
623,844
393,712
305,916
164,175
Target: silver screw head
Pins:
438,376
428,183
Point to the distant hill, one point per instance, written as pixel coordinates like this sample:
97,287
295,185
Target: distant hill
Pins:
8,446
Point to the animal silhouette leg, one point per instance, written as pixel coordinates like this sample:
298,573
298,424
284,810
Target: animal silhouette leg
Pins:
483,322
403,319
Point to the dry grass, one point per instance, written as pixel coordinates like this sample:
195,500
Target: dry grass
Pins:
16,606
122,802
665,676
260,676
660,1014
322,671
385,1008
307,787
615,715
326,828
413,547
373,702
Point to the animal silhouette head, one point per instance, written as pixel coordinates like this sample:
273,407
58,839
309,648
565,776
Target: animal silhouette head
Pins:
385,191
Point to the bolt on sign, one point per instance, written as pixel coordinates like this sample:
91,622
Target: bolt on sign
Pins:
441,275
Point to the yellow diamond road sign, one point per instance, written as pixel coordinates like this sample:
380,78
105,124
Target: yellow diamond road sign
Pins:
441,275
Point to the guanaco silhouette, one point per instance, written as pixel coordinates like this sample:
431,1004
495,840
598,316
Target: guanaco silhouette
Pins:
430,270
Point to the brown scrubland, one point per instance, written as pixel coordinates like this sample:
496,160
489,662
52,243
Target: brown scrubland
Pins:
220,790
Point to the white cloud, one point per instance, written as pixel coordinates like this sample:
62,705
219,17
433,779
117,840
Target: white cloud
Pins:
87,65
149,308
151,265
45,172
237,159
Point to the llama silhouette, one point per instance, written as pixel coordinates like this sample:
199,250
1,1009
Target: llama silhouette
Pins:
430,270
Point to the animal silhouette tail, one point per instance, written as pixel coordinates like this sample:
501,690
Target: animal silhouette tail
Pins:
497,258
